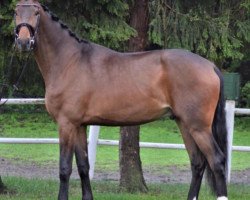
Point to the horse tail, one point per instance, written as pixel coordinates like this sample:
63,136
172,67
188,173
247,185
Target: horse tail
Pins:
219,130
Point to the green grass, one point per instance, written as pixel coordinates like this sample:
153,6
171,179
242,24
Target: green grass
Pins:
27,189
155,160
242,131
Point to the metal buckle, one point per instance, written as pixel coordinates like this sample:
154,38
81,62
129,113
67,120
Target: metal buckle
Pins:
32,43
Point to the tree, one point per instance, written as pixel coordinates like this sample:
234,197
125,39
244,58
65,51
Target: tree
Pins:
131,175
99,21
215,29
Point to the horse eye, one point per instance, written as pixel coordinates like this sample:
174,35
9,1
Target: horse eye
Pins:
37,13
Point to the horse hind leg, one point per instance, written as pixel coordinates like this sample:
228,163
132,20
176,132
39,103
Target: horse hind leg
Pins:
215,158
81,154
198,162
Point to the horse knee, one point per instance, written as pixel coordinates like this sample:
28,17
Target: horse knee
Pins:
219,165
83,169
65,173
198,168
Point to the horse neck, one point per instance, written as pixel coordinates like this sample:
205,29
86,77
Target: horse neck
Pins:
54,49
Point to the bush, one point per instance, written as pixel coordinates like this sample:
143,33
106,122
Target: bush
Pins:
245,92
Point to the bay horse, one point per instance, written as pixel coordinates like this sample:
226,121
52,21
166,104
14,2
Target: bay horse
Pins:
88,84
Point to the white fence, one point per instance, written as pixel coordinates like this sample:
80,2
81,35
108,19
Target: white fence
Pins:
94,133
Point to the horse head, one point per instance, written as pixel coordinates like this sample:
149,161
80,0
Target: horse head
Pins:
27,18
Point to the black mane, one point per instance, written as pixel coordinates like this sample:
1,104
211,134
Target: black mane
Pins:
64,26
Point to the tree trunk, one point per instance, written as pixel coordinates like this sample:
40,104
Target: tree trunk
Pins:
139,20
131,175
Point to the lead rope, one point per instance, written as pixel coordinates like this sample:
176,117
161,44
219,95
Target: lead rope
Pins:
15,86
5,84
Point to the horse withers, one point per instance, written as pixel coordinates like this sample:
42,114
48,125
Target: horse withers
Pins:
88,84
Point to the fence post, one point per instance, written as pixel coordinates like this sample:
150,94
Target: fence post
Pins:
93,139
230,109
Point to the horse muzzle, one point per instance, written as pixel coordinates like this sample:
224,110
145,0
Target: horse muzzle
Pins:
25,44
25,37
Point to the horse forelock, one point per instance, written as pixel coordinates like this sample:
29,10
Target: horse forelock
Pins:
55,18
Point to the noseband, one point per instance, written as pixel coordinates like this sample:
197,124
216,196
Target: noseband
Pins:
32,30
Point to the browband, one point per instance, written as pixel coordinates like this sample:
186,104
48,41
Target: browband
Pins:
28,4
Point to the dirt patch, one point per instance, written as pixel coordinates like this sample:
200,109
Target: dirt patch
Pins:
175,175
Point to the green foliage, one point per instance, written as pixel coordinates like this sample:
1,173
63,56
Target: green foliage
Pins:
100,21
6,29
245,94
214,31
6,17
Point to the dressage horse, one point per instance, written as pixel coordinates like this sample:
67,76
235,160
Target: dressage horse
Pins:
88,84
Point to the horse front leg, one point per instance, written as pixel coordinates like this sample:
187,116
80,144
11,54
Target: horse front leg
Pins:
67,132
81,154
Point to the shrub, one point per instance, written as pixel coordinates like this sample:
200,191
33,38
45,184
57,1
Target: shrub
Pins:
245,92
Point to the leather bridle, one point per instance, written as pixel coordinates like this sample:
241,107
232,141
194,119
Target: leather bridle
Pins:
33,31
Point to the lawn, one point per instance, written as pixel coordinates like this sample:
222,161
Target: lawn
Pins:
24,189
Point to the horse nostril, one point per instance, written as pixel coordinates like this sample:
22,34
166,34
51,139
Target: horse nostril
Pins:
23,44
19,43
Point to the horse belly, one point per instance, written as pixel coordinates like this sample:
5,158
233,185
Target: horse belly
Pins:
128,115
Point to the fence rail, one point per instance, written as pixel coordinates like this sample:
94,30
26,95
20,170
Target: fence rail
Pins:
242,111
104,142
25,101
99,142
94,133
